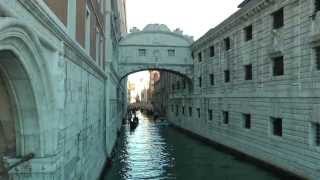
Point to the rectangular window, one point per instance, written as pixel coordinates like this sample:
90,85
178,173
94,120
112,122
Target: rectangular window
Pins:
248,72
88,30
171,52
177,110
97,45
315,134
198,111
211,51
212,79
210,114
317,52
226,76
276,125
142,52
184,84
200,81
278,66
183,110
248,33
190,111
278,19
247,121
225,117
178,85
227,43
317,5
199,56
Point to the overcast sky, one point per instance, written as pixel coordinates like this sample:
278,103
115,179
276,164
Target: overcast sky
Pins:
194,17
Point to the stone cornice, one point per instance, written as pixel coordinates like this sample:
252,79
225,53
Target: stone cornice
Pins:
234,20
36,9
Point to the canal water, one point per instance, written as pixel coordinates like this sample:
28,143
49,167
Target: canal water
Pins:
157,151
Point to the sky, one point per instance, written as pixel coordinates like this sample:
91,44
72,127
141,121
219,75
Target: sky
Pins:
194,17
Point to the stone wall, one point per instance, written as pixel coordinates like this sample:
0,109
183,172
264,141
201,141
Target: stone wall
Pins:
293,96
62,96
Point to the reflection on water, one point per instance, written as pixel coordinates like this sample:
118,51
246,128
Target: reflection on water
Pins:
156,151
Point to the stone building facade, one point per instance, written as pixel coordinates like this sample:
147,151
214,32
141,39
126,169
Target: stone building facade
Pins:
60,97
255,85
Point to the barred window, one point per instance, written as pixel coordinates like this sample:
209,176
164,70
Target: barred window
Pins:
177,110
227,43
226,76
171,52
212,51
278,66
198,111
225,117
317,52
317,5
248,72
142,52
200,81
184,84
248,33
278,19
200,56
212,79
316,134
210,114
276,125
247,121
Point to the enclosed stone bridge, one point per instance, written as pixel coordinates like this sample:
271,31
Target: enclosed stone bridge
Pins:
155,47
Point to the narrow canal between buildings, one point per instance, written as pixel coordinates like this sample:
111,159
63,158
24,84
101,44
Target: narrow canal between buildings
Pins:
157,151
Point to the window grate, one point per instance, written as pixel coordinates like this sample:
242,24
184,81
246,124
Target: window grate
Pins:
171,52
210,114
248,72
200,56
278,19
212,53
278,66
225,117
248,33
226,76
317,5
227,43
212,79
317,137
142,52
247,121
277,126
317,52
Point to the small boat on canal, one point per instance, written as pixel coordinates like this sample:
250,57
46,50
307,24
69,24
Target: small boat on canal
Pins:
134,123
